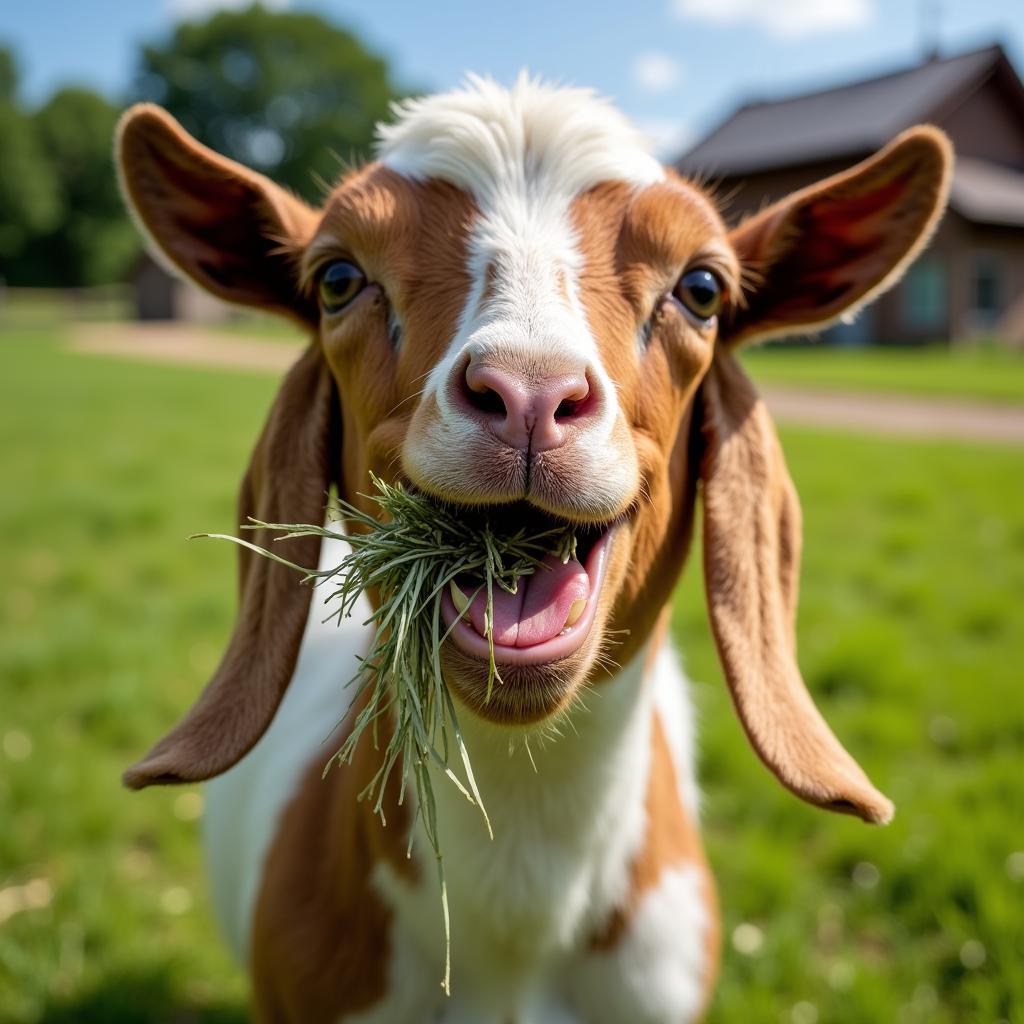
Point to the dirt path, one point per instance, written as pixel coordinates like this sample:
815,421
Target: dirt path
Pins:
192,345
898,415
891,415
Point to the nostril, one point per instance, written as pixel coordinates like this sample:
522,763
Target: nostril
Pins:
486,390
480,389
486,401
576,400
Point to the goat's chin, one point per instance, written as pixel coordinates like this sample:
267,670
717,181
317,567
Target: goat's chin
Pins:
526,694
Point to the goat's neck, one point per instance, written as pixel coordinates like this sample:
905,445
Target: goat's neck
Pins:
575,762
567,814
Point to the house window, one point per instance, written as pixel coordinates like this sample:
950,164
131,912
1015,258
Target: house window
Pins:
924,295
986,290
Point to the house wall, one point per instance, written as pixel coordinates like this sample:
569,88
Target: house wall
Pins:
155,291
1003,249
985,125
944,256
960,249
160,296
198,306
952,254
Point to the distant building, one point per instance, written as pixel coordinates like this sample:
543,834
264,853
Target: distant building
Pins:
969,283
159,295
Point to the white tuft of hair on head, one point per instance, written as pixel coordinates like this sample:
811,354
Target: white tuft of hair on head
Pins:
493,141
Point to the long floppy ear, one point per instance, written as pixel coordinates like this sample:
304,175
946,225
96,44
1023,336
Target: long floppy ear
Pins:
234,232
814,257
825,251
295,461
231,230
752,539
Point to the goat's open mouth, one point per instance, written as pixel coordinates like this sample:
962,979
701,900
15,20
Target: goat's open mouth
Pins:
550,615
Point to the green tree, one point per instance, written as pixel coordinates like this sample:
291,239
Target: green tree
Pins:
94,243
287,93
29,196
8,76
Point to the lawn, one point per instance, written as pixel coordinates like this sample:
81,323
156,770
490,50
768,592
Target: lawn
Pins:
988,373
911,623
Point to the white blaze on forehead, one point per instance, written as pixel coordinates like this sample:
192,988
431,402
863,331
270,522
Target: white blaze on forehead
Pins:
524,154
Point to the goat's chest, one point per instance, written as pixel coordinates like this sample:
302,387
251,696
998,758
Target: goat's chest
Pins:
655,972
539,935
568,818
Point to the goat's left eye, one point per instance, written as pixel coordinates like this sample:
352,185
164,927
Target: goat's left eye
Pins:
700,291
340,282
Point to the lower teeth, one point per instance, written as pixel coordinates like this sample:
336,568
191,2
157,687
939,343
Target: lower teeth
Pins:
576,609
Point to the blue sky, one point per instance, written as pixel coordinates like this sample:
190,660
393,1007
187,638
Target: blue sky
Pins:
676,66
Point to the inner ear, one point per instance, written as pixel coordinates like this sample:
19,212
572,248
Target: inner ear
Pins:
832,247
231,230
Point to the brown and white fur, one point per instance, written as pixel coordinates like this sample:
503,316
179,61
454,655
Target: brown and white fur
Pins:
528,232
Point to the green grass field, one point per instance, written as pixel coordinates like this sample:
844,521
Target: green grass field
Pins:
911,628
989,373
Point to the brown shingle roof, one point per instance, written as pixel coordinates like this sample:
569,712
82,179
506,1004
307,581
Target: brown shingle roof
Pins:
845,121
987,193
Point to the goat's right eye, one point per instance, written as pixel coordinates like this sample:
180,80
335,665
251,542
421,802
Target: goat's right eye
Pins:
340,282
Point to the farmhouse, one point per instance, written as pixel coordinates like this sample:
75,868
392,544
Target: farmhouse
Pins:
158,295
969,284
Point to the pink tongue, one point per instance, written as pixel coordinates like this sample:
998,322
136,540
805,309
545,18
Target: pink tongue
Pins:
539,610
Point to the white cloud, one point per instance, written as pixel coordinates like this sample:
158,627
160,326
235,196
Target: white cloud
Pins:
784,19
656,72
199,8
668,138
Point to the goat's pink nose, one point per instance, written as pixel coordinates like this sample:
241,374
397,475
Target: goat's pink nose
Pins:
527,411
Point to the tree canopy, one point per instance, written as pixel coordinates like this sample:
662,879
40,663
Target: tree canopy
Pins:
29,201
286,93
94,242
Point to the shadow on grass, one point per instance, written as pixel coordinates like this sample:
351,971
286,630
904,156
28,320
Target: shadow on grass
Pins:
140,997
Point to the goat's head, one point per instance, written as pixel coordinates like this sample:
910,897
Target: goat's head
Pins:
516,306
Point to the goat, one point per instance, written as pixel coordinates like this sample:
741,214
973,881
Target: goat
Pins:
514,305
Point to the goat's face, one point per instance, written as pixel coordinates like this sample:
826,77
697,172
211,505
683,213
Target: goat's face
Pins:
544,374
520,310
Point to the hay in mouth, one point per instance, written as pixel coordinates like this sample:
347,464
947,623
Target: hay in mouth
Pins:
412,555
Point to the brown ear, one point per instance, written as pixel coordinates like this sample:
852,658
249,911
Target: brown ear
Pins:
825,251
752,538
231,230
294,463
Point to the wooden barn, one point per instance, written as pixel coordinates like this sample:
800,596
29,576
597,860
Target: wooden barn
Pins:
158,295
969,284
